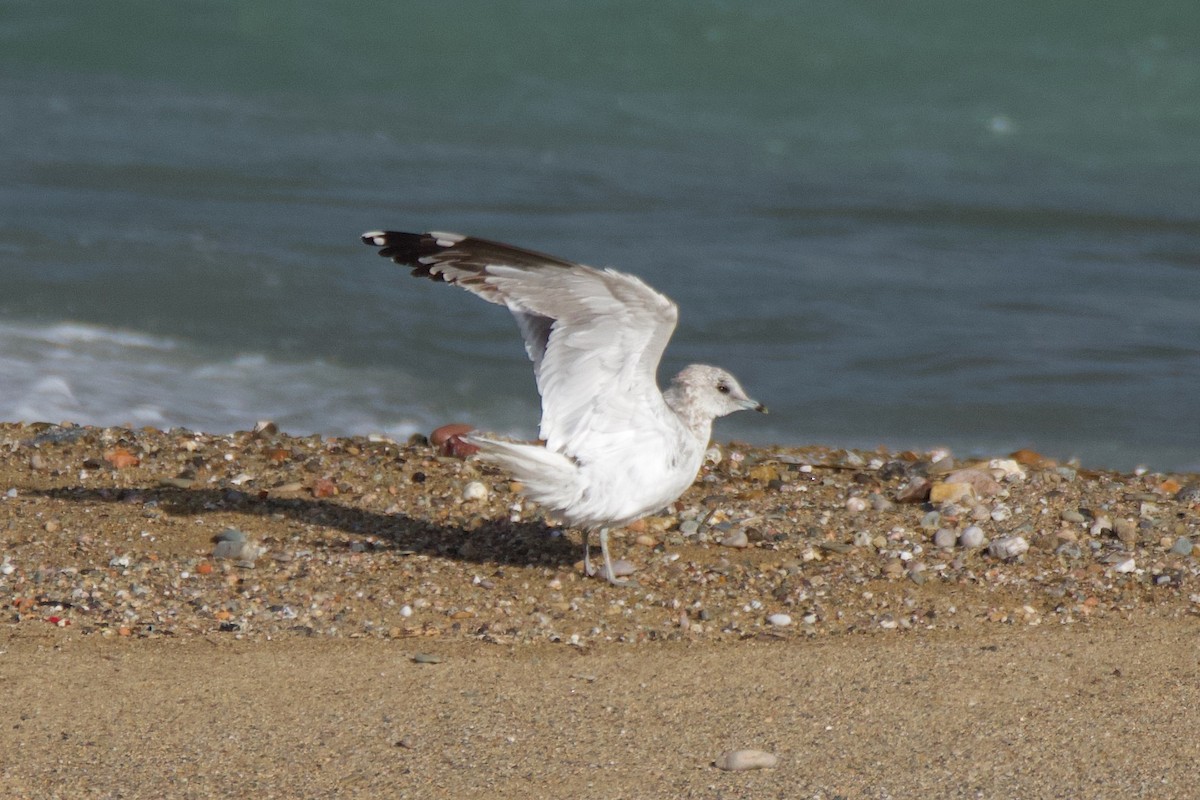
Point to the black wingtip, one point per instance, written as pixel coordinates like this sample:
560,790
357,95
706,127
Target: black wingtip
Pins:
420,251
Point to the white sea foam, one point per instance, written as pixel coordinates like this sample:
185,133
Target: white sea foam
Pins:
95,375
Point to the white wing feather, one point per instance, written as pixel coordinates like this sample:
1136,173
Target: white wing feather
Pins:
595,336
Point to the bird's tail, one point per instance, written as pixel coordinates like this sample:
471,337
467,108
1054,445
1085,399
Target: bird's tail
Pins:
548,478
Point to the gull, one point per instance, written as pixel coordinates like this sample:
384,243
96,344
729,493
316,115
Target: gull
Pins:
614,447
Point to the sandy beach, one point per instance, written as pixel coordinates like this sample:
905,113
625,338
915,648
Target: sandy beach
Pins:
192,615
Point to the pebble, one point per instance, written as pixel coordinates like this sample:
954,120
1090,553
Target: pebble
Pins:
950,492
1182,546
449,442
856,505
475,490
1189,494
742,760
230,535
863,539
1071,515
981,483
621,567
931,520
971,537
915,492
736,539
689,527
1069,550
427,658
1126,530
780,620
944,538
1001,513
1010,469
880,503
1008,547
1125,565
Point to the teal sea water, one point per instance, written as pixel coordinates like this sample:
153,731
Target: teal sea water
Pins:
966,224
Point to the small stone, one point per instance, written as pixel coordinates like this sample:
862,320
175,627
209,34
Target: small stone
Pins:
1008,547
879,502
176,483
856,505
1126,530
982,483
863,539
689,527
1190,494
1125,565
645,540
736,539
427,658
406,611
944,538
36,461
780,620
971,537
1071,515
764,473
915,492
120,458
1031,458
230,535
931,521
742,760
1007,469
1068,550
449,441
1182,546
620,567
324,487
1001,513
945,492
475,490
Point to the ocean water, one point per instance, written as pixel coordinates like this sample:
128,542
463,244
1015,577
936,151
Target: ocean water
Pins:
938,224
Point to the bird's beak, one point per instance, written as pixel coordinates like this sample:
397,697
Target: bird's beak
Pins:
754,405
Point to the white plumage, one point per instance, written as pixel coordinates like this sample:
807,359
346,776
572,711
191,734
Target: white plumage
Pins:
616,448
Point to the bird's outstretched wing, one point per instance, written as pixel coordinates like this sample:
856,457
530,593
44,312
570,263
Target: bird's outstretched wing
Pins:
595,336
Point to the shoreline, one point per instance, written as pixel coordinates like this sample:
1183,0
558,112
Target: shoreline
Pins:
111,521
354,556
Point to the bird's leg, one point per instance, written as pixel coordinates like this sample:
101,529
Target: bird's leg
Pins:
609,575
588,569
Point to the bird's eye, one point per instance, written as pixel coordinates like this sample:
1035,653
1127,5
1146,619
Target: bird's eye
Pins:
723,388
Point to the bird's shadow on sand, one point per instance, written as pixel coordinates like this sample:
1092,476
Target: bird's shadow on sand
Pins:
495,542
